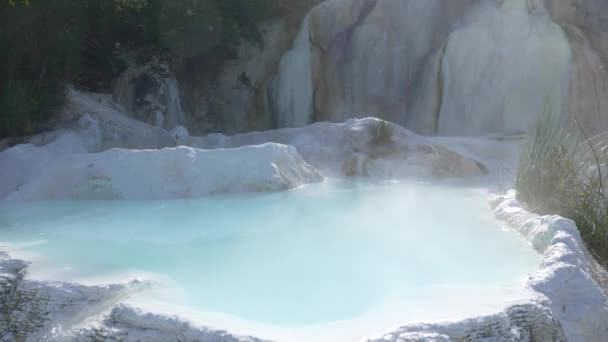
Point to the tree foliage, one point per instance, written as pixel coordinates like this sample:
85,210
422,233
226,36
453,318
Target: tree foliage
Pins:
45,44
39,50
563,171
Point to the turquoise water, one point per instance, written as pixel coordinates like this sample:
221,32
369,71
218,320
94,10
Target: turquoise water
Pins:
321,253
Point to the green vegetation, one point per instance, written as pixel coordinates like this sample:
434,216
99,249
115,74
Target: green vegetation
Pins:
382,133
46,44
37,53
563,171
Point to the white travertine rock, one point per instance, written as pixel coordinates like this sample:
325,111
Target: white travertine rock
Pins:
357,57
457,67
501,71
566,274
520,322
381,149
129,324
588,99
64,169
45,173
57,307
104,125
179,134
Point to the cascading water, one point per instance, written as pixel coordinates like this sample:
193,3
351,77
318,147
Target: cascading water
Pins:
174,115
291,90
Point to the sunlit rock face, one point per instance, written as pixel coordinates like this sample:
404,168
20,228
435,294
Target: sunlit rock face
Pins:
364,147
60,171
364,58
461,67
586,25
499,72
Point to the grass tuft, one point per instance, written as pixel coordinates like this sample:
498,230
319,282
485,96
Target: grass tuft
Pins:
562,171
382,132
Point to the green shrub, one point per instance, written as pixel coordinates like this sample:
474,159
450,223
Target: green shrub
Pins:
215,27
46,44
562,171
19,105
40,50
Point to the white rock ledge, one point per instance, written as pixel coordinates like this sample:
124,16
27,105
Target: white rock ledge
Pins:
43,311
129,324
62,312
566,274
366,147
520,322
44,173
571,306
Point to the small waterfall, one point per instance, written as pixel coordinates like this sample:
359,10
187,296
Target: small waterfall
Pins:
174,114
292,97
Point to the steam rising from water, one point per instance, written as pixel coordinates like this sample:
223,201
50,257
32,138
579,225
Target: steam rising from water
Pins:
323,253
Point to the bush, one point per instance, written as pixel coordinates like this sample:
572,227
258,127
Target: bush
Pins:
19,105
562,171
45,44
40,49
212,27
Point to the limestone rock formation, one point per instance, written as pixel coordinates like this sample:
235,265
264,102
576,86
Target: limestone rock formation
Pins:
151,94
102,125
502,70
364,58
237,100
358,147
43,311
521,322
461,67
567,276
586,25
129,324
53,172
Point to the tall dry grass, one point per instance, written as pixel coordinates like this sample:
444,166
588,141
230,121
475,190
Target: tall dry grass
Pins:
563,171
